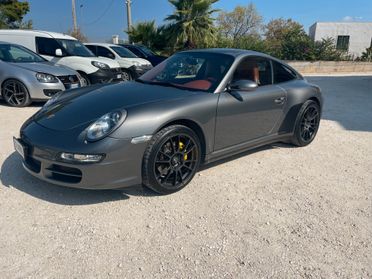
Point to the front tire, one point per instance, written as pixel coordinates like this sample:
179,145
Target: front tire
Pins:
15,93
171,159
307,123
127,75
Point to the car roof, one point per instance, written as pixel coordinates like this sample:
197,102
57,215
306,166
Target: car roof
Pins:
40,33
101,44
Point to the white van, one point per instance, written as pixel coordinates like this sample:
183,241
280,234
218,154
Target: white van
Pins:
65,50
131,65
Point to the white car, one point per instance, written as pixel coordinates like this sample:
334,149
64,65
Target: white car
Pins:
65,50
131,65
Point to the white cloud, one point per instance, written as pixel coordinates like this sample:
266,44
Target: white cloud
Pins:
351,18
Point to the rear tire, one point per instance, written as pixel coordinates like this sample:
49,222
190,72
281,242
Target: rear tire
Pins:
171,159
307,124
15,93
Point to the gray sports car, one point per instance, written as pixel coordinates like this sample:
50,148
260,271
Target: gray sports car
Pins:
194,108
26,76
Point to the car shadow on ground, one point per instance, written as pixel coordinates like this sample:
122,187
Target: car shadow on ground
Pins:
36,104
13,174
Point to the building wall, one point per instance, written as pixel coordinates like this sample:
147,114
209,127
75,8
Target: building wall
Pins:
360,34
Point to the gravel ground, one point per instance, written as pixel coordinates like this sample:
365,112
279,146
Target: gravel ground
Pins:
280,211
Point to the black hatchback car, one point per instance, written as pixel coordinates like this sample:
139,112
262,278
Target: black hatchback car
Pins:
144,52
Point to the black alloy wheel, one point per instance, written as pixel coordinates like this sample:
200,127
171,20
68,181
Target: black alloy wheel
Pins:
15,93
307,124
171,159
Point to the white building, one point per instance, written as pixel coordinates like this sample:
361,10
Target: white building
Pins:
353,37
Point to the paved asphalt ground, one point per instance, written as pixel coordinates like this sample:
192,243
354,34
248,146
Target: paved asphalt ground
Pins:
280,211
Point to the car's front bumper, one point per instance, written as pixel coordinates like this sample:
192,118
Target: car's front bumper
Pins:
44,91
121,166
106,76
138,71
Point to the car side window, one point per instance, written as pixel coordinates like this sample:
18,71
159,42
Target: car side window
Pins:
104,52
47,46
135,51
282,73
92,49
256,69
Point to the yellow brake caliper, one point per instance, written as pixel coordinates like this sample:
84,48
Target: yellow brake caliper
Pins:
181,146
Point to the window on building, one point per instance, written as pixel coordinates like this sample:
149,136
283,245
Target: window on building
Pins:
343,43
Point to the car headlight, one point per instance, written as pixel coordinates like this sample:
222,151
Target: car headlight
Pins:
46,78
100,65
137,64
105,125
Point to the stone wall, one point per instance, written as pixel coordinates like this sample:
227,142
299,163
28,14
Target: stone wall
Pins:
329,67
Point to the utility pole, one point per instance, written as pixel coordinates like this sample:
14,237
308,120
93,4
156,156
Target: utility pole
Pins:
74,16
129,13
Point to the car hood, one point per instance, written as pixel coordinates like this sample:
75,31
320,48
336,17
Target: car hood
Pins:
80,107
139,60
46,67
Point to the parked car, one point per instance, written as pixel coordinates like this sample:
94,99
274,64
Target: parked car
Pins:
65,50
145,53
26,76
131,65
197,107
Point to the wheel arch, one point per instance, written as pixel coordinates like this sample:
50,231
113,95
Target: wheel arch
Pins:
193,126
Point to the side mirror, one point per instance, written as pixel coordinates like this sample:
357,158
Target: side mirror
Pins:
243,85
58,52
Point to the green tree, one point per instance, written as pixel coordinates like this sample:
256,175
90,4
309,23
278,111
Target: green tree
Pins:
367,55
326,50
144,33
148,34
12,13
242,21
288,40
191,25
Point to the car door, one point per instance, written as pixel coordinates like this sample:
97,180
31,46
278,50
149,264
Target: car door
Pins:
243,116
105,52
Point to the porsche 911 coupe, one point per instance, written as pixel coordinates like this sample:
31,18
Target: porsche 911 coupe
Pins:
196,107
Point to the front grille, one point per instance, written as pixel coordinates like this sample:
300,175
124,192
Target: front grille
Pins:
63,174
69,80
116,70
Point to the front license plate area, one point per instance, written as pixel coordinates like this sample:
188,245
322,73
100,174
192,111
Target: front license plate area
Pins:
19,147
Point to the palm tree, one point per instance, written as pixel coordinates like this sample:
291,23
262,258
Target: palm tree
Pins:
192,24
144,33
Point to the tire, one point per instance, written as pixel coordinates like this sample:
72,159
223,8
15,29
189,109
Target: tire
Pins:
307,124
85,79
127,75
15,93
171,159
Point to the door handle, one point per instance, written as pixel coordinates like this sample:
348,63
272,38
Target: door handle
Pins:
280,100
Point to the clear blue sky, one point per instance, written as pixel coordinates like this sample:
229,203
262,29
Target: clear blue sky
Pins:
100,19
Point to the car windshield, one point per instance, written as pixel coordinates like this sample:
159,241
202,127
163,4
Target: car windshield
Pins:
147,51
75,48
123,52
191,70
18,54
